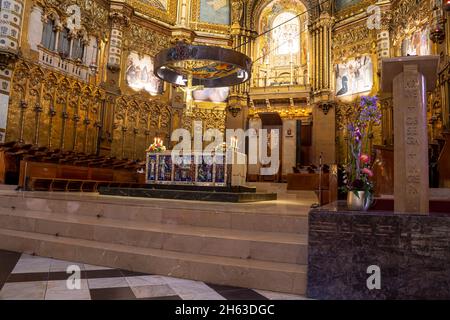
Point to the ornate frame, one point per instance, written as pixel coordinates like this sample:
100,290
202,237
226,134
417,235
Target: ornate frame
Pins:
169,16
205,26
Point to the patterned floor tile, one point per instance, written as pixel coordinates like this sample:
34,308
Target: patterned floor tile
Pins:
153,291
27,277
107,283
24,291
61,285
31,277
145,281
32,264
112,294
8,260
68,295
60,265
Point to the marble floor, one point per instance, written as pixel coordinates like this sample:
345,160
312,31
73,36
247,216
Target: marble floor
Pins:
26,277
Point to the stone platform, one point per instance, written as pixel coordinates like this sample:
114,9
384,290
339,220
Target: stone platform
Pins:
198,193
412,252
261,245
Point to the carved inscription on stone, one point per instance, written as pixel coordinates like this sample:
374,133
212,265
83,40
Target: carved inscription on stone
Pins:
412,137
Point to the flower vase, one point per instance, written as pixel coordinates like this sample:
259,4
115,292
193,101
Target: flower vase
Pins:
358,201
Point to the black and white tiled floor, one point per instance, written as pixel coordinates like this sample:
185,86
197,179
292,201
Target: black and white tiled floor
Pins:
30,277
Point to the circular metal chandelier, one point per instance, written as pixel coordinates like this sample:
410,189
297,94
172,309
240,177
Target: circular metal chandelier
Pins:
202,66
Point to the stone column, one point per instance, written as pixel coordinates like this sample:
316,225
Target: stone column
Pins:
324,113
411,77
10,31
118,21
238,98
411,142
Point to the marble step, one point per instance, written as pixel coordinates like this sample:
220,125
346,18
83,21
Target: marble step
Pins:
267,217
272,276
267,246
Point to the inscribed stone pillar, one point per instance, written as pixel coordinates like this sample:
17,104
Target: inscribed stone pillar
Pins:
409,78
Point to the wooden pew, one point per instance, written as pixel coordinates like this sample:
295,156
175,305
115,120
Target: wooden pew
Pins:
311,182
67,177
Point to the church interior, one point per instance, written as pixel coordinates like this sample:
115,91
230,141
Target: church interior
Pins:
350,97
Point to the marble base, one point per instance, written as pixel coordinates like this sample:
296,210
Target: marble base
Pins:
189,187
412,251
239,197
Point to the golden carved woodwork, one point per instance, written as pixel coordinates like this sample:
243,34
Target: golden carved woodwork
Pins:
353,41
284,112
144,40
137,121
212,115
407,17
53,110
168,16
94,14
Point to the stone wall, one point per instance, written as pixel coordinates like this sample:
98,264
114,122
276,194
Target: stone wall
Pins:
412,251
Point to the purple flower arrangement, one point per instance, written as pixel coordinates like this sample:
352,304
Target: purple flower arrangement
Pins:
358,170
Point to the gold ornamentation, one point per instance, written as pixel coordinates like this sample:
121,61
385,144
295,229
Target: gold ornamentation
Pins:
168,16
137,120
407,17
352,42
94,16
144,40
46,103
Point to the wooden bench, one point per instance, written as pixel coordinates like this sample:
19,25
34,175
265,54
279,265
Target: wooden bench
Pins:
45,176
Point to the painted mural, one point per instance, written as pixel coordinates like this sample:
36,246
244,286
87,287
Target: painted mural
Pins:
417,44
212,94
215,11
139,74
341,4
354,76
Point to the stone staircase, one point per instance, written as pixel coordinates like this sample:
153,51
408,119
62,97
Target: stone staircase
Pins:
216,243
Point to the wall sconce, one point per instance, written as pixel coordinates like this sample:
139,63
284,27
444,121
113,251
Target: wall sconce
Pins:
447,5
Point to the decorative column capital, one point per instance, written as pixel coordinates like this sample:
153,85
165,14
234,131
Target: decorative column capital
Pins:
119,20
8,56
326,106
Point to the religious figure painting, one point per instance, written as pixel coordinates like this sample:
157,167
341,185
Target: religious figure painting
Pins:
205,172
212,94
151,167
220,166
185,171
165,168
417,44
354,76
139,74
215,11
